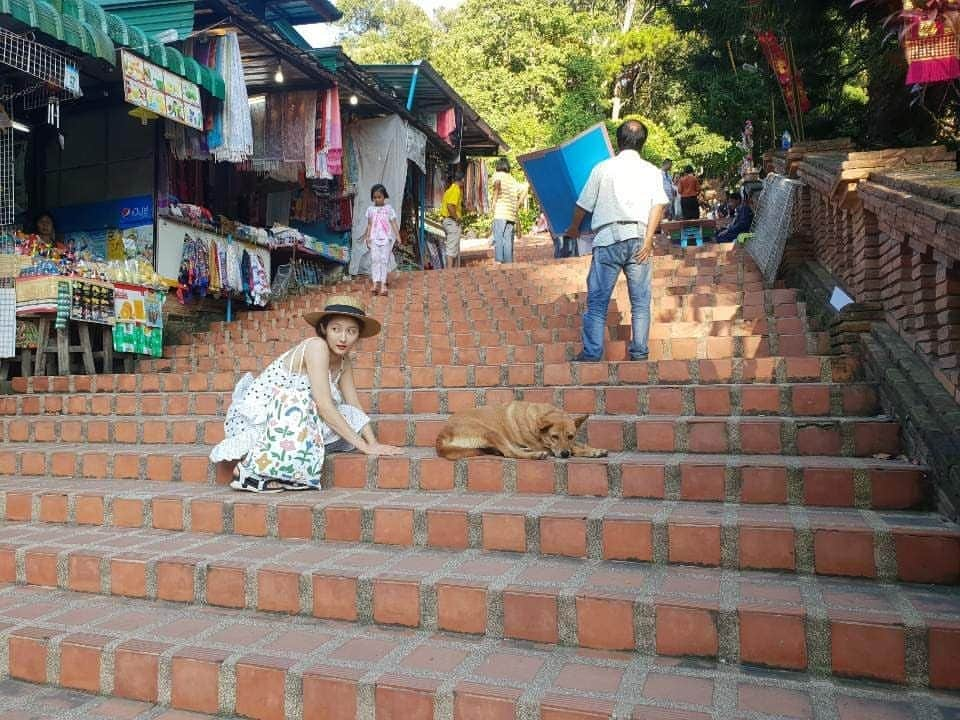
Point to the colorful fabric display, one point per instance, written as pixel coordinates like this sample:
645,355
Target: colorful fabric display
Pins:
932,41
236,132
332,131
446,123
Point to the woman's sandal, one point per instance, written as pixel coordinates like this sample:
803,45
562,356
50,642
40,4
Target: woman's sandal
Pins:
246,481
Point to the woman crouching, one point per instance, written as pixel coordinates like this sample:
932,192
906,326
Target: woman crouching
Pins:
282,423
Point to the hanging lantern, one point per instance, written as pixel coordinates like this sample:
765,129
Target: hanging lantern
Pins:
931,41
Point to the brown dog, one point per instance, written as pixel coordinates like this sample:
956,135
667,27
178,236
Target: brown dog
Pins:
523,430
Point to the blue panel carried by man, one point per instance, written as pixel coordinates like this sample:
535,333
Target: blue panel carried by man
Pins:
626,196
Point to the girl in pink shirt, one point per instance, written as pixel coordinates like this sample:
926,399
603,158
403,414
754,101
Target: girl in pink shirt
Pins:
380,236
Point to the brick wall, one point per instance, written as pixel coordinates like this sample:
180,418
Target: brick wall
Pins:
886,225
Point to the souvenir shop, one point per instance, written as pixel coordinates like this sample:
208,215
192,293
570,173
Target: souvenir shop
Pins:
78,286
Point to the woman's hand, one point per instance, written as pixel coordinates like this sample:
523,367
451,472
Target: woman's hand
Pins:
377,448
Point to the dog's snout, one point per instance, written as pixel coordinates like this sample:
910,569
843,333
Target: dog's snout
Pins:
564,453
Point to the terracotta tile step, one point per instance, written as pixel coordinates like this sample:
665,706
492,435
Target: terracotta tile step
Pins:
464,335
759,479
854,399
777,369
509,316
443,301
892,633
258,665
21,700
698,348
909,547
849,437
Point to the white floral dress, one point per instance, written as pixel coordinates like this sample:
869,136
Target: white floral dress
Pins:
254,405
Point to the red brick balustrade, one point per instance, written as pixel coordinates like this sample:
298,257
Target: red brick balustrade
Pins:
886,225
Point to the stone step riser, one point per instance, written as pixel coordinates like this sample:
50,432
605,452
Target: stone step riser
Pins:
844,437
775,635
245,345
749,347
805,545
806,400
663,372
763,480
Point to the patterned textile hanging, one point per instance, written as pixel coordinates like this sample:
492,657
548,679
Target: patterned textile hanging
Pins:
931,40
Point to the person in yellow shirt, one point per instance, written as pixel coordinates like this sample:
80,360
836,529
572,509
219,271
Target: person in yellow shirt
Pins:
451,210
508,195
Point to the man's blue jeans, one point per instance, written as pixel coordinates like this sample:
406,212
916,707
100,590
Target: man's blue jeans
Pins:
608,261
503,241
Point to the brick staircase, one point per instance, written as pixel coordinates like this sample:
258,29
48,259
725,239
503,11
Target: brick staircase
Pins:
755,546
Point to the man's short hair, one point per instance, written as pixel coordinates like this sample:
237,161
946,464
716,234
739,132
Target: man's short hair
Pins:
632,135
503,165
668,161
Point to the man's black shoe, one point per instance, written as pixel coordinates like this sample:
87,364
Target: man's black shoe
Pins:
634,356
585,358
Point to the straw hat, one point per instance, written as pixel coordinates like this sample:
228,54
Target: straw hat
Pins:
349,306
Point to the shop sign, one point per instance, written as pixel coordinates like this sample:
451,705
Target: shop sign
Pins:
151,87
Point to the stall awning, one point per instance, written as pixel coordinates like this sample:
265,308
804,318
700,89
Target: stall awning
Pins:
424,90
294,12
70,29
154,16
84,25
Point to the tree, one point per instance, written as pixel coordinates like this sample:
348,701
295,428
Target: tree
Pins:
386,31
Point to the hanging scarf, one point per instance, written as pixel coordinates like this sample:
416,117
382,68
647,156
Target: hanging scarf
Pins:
294,125
237,133
333,131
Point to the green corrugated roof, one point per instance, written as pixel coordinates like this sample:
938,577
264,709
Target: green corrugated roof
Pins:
84,25
154,16
70,29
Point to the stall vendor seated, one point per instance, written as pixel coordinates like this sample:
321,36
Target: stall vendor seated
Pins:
50,244
742,219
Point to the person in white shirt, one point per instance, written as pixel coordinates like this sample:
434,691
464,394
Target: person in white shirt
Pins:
627,199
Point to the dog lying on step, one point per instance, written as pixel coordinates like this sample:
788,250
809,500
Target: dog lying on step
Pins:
522,430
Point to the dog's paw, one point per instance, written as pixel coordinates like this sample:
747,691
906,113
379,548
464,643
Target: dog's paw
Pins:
598,452
542,455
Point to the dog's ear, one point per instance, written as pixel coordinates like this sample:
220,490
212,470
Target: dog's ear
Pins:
579,420
546,422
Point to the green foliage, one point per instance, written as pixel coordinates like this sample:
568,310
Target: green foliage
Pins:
541,71
386,31
583,104
660,144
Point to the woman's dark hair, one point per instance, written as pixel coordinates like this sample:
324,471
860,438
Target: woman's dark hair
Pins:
381,189
688,169
503,165
43,214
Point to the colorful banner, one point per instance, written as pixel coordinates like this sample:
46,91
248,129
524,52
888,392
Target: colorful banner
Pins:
780,64
160,91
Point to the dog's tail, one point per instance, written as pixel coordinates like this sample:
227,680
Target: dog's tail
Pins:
447,446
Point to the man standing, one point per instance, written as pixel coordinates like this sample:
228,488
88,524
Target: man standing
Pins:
451,210
506,200
627,199
668,187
